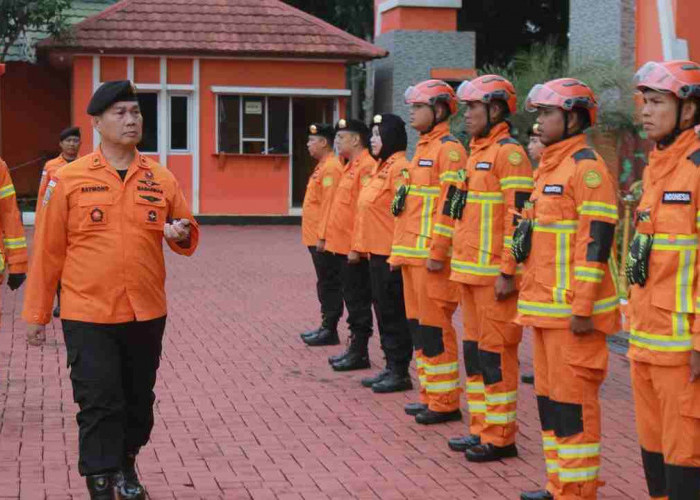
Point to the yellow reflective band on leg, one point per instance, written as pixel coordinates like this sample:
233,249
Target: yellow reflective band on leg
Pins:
442,369
444,386
661,343
552,466
549,443
578,475
476,406
7,191
573,451
501,398
475,387
15,243
500,418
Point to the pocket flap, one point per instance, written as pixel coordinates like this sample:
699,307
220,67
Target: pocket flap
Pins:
689,401
94,199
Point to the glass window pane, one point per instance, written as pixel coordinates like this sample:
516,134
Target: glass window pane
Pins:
278,126
229,130
253,117
148,102
178,122
253,148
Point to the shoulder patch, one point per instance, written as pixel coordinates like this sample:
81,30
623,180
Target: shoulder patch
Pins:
584,154
592,179
448,138
515,158
49,191
695,157
327,181
508,140
454,155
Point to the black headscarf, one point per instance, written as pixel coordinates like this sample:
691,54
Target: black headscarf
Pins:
392,130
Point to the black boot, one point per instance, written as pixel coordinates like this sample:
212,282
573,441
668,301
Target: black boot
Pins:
128,485
463,443
101,486
357,358
398,380
430,417
324,336
310,333
536,495
370,381
527,378
414,409
488,452
338,357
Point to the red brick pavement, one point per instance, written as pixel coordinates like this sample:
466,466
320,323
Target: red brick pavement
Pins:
245,410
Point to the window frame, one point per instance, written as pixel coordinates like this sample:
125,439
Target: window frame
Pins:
158,111
190,124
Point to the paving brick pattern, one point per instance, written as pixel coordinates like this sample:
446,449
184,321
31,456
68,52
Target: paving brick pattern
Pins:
245,410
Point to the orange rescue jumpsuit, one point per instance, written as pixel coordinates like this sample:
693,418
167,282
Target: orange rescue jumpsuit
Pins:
14,244
319,195
424,230
499,182
103,238
662,313
567,273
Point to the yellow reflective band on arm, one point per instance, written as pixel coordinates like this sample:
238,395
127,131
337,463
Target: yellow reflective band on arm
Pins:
606,305
552,466
563,226
463,267
500,418
475,387
661,343
476,406
598,209
517,183
450,176
417,253
7,190
501,398
675,242
578,475
443,230
15,243
589,274
443,369
485,197
572,451
444,386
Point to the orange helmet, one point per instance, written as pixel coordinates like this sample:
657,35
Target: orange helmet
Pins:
564,93
682,78
431,92
486,88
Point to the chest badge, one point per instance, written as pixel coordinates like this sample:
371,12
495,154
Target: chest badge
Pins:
483,165
152,216
552,189
97,215
149,174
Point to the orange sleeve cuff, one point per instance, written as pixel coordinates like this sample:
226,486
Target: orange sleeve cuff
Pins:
582,307
696,341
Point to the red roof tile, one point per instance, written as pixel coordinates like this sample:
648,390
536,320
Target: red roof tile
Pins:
268,28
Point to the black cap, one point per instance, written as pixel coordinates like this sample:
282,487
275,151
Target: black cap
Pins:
109,93
69,132
392,130
355,126
323,130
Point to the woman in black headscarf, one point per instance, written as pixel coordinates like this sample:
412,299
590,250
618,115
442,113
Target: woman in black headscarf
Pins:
372,237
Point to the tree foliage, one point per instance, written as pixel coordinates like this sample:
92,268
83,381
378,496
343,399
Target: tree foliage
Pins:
356,16
19,16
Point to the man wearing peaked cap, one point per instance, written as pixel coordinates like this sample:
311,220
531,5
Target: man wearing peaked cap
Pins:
102,227
319,194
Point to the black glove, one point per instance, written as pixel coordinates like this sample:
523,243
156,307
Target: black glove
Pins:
637,268
457,203
14,281
399,202
522,241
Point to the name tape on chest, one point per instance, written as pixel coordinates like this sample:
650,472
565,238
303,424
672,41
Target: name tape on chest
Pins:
425,163
93,189
553,189
676,197
483,165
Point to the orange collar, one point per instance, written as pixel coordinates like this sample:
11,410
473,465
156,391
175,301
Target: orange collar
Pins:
440,130
99,161
556,153
498,132
663,161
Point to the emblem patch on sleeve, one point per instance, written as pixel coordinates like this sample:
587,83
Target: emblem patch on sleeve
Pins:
327,181
453,155
592,179
49,191
515,158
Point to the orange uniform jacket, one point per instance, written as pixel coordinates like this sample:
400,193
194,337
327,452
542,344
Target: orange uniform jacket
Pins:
319,194
575,212
662,311
337,224
47,174
374,223
499,183
14,243
424,229
103,238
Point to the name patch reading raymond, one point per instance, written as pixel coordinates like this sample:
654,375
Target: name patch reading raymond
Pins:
425,163
678,197
94,189
553,189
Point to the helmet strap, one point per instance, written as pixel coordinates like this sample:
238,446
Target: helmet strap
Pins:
671,138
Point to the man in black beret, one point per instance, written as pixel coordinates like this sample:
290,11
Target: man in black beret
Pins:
101,231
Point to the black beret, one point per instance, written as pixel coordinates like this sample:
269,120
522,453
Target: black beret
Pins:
109,93
69,132
323,130
352,126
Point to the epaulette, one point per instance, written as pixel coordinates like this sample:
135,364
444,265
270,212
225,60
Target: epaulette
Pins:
695,157
508,140
448,138
584,154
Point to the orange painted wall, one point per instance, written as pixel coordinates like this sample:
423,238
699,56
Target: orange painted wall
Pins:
687,17
181,167
112,68
146,70
419,18
243,184
180,71
81,91
648,36
35,107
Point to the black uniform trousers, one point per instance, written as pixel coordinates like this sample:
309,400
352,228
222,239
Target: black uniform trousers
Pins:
113,371
329,286
357,293
389,307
